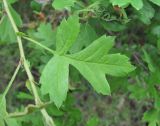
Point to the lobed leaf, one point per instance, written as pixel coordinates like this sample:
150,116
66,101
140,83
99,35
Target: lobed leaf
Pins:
93,63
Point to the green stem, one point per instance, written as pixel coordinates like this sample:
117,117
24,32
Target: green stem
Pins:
85,10
26,66
2,18
12,79
22,52
39,44
10,84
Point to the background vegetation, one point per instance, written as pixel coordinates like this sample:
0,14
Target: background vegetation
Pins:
135,91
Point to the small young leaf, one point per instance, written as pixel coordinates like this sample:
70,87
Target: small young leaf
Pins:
61,4
146,13
137,4
45,34
120,3
7,33
16,16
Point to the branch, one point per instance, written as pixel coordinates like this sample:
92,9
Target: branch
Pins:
26,66
39,44
12,79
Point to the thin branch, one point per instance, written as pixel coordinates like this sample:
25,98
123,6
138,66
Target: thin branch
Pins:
10,84
12,79
26,66
39,44
22,52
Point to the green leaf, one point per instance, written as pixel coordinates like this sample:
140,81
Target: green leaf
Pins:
61,4
98,48
94,75
4,114
146,13
93,63
112,26
97,56
35,119
24,96
120,3
45,34
12,1
94,121
2,107
152,116
116,64
66,34
157,101
156,30
15,16
54,80
137,4
7,34
138,92
53,111
84,38
156,2
11,122
2,122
